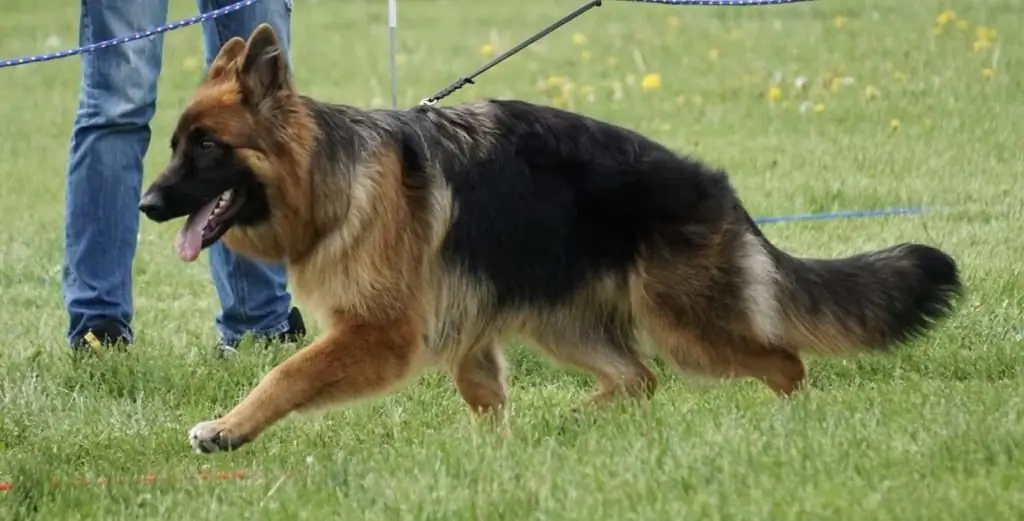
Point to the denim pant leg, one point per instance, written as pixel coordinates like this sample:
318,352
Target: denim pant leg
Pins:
253,295
109,137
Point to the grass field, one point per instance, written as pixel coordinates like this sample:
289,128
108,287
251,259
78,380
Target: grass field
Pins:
903,105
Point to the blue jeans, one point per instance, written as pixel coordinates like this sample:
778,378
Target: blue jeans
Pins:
111,134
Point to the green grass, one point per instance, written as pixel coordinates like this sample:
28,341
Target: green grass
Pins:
931,432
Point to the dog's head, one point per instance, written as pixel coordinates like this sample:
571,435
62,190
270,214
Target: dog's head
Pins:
225,146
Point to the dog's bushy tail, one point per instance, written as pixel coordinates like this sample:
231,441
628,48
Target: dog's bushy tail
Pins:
867,302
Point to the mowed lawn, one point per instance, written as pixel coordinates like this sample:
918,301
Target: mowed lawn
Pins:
822,106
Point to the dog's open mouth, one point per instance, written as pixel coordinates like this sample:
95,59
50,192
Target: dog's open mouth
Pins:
205,226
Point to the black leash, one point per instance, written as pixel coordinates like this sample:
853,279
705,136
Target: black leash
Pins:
467,80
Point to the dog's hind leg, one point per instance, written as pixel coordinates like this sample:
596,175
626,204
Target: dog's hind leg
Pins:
604,351
480,379
782,371
704,317
356,359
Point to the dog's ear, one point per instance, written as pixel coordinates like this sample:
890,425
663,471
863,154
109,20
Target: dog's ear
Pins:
226,58
264,69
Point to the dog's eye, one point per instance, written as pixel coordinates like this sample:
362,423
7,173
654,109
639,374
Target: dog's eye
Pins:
207,145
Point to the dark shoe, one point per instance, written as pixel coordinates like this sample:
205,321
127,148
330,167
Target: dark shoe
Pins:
105,335
296,331
296,328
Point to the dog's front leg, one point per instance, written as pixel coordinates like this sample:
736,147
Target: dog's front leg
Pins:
356,359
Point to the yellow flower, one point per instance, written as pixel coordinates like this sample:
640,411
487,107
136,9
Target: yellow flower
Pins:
557,81
487,50
839,22
894,123
819,108
713,54
651,81
870,92
945,17
774,94
987,73
586,56
984,33
981,45
579,39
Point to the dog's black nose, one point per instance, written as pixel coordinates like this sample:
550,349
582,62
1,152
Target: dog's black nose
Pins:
152,204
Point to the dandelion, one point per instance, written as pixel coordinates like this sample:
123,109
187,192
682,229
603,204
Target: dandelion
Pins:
774,94
839,22
984,39
713,54
894,124
579,39
984,33
987,73
870,93
557,82
819,108
487,50
651,82
945,17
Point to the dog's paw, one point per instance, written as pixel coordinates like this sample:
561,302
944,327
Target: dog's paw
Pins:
211,436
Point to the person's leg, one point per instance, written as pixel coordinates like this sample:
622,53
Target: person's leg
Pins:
253,295
110,136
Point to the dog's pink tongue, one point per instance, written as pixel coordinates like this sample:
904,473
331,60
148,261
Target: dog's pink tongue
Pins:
189,242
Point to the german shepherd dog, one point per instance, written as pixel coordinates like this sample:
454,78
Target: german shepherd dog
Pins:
425,238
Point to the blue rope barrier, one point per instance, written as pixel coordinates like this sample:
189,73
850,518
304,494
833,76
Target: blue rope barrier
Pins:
24,60
849,214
